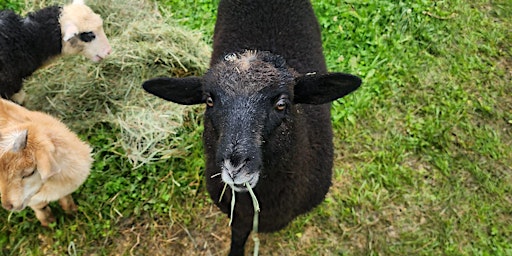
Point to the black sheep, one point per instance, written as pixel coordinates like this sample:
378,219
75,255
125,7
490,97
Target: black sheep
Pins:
28,43
267,120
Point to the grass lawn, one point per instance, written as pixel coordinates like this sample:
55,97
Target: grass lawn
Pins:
423,149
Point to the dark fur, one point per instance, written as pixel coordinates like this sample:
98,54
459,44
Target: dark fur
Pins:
26,44
299,178
292,149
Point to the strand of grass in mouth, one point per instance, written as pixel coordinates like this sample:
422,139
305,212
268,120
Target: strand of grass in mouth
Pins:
223,190
232,201
255,219
232,205
256,206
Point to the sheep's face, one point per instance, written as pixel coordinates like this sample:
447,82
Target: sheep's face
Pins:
82,32
24,167
250,100
247,96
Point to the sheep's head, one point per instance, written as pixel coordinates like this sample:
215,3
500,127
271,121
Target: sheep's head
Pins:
25,164
82,32
250,97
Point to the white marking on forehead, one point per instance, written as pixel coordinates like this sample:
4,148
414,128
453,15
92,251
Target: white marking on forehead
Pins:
242,61
231,57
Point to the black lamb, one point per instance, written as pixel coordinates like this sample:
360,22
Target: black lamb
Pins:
267,120
28,43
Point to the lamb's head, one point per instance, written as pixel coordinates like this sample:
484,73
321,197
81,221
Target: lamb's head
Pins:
25,164
250,98
82,32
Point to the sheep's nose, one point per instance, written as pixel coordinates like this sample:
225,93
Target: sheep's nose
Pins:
8,206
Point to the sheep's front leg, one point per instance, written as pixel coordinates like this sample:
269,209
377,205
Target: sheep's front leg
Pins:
239,234
43,213
68,205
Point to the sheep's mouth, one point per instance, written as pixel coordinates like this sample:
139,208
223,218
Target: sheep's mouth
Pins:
239,181
97,58
237,176
241,186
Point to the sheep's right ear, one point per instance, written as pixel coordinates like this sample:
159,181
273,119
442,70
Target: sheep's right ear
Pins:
185,91
69,31
324,88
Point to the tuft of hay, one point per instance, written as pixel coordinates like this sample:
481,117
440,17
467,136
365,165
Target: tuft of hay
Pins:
145,45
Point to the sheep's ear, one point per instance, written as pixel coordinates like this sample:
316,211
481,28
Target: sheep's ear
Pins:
14,142
69,31
78,2
46,164
320,89
185,91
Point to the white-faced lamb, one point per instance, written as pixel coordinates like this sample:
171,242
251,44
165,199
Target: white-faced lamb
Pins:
28,43
267,121
41,161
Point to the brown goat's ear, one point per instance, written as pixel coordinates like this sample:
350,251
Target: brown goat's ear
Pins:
320,89
46,164
14,141
185,91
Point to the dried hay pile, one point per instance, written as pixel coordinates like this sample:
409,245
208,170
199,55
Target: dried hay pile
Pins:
145,45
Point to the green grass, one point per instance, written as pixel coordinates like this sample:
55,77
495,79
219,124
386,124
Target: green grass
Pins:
11,5
423,150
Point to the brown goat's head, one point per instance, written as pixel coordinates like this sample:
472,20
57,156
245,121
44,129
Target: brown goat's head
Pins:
26,162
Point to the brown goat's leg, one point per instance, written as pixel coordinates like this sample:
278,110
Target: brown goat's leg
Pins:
68,205
43,213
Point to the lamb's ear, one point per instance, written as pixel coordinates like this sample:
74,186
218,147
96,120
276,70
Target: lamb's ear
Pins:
185,91
320,89
14,142
46,164
69,31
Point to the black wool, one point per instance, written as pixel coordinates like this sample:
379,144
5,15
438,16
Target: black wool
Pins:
297,169
26,44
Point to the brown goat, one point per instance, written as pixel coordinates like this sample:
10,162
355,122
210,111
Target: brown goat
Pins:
41,161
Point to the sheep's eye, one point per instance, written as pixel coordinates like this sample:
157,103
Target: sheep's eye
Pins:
280,104
209,101
87,36
26,175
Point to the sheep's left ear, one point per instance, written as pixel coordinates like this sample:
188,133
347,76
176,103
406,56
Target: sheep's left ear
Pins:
185,91
324,88
69,31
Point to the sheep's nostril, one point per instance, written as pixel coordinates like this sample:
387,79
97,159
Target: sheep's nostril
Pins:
109,51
